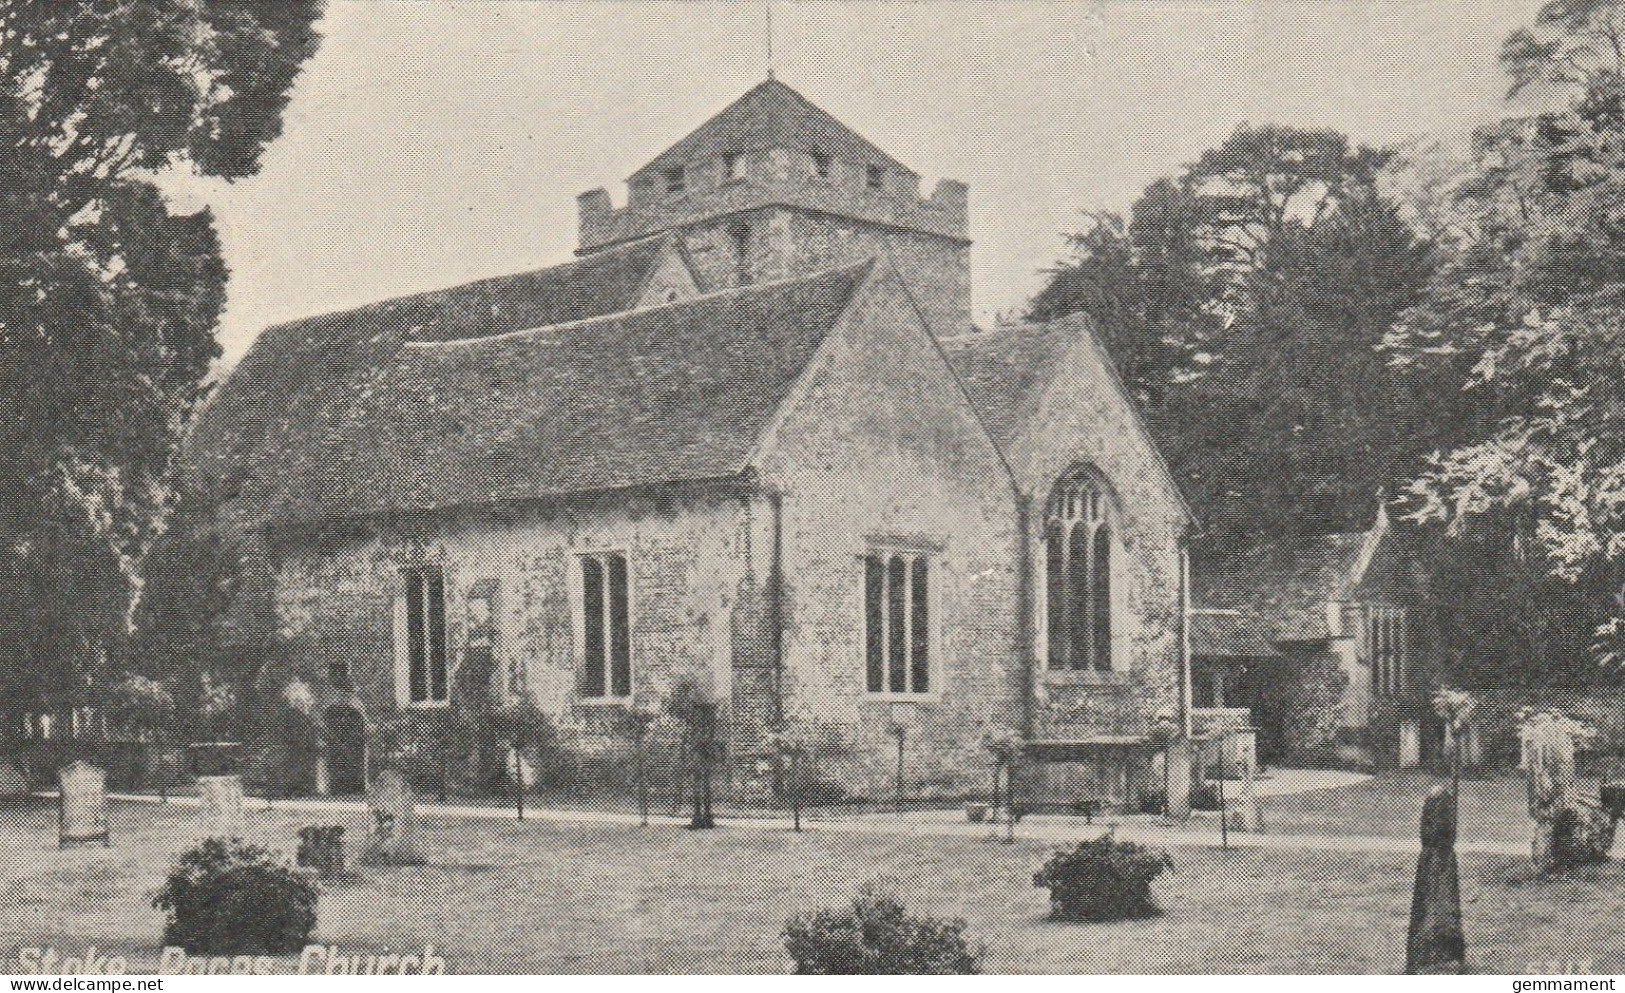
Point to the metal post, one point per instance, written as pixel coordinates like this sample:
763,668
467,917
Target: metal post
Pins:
643,784
795,790
900,736
518,782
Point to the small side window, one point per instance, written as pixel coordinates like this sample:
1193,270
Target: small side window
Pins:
876,177
733,166
676,179
820,165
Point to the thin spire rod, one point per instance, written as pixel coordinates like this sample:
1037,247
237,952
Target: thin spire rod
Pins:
768,9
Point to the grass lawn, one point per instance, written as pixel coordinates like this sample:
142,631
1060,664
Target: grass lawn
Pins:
604,898
1390,805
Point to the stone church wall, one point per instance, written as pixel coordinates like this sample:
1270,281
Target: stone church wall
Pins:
1085,420
689,559
878,450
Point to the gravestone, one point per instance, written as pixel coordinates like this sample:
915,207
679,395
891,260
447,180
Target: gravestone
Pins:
394,821
1410,745
222,804
12,780
1435,943
1568,831
1244,751
321,847
1179,771
82,806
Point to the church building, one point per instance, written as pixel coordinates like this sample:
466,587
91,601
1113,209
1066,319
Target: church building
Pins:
748,439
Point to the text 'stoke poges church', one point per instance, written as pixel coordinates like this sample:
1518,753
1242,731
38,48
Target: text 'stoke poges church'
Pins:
749,438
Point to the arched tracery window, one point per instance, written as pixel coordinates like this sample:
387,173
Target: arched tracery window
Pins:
1078,556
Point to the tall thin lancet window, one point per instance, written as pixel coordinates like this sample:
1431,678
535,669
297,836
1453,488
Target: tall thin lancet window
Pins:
920,627
604,622
896,629
1100,590
1078,542
874,599
898,635
421,608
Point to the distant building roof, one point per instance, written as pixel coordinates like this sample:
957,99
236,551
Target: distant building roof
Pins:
457,398
1288,585
1230,634
772,115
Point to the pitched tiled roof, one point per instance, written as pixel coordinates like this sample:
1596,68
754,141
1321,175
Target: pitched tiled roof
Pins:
374,423
772,115
292,365
1287,585
1006,370
1230,634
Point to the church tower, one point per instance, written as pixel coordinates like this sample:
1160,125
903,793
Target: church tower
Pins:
773,187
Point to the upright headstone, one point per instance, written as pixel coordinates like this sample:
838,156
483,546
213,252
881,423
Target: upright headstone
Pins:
12,780
394,821
1435,943
82,806
1410,745
222,802
1179,773
321,847
1568,831
1245,753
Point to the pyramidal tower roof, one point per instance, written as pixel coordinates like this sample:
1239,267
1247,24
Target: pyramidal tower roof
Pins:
772,115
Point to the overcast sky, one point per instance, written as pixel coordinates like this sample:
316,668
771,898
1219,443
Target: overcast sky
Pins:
432,143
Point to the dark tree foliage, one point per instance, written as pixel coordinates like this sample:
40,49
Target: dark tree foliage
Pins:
108,299
1525,308
1245,303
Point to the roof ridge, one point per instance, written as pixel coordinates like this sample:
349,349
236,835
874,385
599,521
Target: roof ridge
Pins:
763,91
662,305
610,250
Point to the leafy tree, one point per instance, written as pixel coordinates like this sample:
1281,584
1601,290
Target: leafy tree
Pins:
1527,306
109,299
1245,303
699,720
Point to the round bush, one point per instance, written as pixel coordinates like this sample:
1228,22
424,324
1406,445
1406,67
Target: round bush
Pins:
1103,880
227,897
876,936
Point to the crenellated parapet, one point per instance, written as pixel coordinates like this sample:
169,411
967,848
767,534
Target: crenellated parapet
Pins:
944,214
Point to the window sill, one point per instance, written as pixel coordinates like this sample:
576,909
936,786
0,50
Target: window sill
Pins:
427,705
1086,677
604,701
926,698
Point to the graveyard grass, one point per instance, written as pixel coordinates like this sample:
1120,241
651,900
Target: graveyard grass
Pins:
498,897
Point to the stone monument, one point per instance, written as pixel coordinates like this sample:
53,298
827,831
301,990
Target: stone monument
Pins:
1568,830
321,847
394,821
222,803
82,806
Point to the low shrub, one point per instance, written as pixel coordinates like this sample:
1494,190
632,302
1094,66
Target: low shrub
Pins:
227,897
876,936
1103,880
